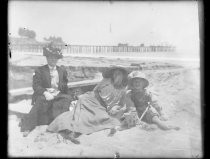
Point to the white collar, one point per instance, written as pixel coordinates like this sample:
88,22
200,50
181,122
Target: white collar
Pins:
52,68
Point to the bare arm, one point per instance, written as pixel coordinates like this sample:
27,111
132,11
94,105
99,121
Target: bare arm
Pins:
153,101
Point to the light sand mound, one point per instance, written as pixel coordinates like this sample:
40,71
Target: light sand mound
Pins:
177,92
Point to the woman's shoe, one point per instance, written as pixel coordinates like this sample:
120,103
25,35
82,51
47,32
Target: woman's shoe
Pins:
72,139
76,134
25,133
68,135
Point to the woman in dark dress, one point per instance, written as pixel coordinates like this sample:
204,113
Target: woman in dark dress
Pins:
96,110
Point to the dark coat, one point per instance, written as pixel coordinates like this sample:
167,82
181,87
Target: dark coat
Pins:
43,111
42,80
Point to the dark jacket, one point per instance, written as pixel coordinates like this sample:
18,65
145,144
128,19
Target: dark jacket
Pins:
42,80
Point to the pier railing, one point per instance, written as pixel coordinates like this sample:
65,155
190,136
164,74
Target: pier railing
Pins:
92,49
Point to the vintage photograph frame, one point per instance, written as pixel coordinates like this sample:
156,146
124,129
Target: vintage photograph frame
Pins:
73,73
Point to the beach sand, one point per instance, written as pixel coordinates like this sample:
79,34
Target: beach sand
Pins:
178,92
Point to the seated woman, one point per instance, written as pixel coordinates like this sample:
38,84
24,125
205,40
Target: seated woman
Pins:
143,100
96,110
50,97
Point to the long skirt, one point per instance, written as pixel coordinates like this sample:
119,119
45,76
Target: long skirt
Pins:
87,117
44,112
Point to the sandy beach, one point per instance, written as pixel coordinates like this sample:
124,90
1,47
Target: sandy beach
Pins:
177,87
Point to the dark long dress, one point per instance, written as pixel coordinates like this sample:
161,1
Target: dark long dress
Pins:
90,114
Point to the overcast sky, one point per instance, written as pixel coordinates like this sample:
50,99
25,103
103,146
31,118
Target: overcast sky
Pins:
105,23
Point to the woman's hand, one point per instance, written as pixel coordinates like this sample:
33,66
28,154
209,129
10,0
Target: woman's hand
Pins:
48,96
115,109
124,108
53,91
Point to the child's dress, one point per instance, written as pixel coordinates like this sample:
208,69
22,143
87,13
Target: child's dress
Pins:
141,101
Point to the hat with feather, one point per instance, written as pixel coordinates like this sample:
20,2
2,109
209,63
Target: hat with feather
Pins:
51,50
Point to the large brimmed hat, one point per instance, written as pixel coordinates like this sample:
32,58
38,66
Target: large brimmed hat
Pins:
137,74
51,50
108,73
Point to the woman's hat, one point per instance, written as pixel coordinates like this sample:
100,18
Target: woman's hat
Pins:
137,74
51,50
108,73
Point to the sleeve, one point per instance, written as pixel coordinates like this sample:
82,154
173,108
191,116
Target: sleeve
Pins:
64,86
37,83
97,89
122,101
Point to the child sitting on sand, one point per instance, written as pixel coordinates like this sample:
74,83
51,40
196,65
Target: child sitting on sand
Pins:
147,108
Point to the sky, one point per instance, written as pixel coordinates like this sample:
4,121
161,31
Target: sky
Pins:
109,23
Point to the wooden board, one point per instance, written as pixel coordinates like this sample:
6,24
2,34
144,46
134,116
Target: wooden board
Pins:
71,85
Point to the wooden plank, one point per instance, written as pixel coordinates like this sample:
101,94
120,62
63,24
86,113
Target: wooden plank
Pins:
29,90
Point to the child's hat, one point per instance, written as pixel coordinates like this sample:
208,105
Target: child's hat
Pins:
137,74
51,50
